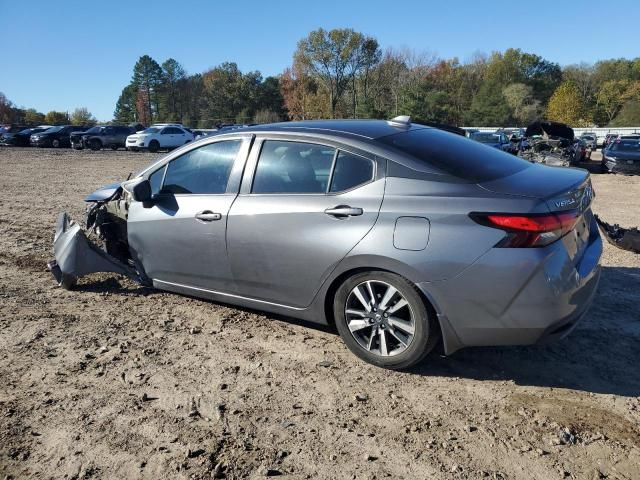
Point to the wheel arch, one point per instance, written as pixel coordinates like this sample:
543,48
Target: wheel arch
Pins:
445,329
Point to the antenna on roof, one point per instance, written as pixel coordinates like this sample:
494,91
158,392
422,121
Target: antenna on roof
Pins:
400,121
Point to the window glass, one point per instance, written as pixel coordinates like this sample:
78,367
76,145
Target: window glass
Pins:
203,170
293,167
456,155
155,179
351,171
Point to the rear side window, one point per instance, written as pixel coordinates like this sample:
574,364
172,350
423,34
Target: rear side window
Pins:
293,167
456,155
204,170
351,171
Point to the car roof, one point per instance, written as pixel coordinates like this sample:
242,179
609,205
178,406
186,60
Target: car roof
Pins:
369,129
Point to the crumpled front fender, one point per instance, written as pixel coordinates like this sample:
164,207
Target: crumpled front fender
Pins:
76,256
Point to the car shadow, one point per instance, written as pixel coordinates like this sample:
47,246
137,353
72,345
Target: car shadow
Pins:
114,285
601,355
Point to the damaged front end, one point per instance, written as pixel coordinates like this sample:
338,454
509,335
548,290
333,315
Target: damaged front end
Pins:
623,238
549,143
76,255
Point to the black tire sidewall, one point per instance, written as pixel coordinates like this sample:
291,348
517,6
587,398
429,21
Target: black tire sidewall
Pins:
154,146
424,335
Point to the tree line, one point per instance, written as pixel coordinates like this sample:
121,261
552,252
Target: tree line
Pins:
343,73
10,113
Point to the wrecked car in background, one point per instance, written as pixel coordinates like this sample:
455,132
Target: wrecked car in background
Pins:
549,143
622,156
395,232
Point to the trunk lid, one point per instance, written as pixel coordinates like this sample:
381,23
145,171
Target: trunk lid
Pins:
560,187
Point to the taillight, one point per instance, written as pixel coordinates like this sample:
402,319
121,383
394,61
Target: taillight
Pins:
529,230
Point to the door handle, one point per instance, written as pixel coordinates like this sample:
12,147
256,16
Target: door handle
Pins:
208,216
344,211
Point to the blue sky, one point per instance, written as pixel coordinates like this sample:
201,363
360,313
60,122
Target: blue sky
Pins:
66,54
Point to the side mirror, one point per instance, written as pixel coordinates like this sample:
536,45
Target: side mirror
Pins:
142,191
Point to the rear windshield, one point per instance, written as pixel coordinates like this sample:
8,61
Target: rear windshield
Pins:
626,146
456,155
486,137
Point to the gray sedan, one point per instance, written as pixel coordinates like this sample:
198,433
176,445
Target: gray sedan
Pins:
400,235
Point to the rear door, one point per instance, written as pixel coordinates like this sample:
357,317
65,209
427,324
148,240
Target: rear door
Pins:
180,237
305,208
167,137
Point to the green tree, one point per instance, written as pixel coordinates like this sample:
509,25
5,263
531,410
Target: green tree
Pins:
56,118
33,117
629,115
524,107
334,57
566,105
266,116
125,111
82,116
612,96
171,91
489,107
147,77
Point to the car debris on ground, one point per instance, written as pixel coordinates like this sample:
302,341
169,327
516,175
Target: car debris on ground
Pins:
624,238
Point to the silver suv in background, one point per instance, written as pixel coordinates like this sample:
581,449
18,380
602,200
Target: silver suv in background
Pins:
400,235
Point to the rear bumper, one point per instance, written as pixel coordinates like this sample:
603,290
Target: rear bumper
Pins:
518,296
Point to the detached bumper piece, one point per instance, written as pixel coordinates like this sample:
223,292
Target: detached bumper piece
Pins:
624,238
76,256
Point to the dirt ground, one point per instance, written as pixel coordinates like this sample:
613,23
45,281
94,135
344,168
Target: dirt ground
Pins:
112,380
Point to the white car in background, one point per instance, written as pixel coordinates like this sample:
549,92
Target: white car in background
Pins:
160,135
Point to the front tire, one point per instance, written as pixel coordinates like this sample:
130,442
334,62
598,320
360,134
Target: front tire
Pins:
154,146
55,143
383,319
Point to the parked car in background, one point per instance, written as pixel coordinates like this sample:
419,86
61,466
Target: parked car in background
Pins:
11,129
21,138
580,152
102,136
399,234
632,136
622,155
608,138
56,137
159,136
590,139
496,139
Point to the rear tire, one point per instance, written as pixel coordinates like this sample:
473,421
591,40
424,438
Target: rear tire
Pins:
154,146
393,328
55,143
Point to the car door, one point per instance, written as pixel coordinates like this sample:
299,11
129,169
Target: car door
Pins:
179,238
166,137
305,208
109,136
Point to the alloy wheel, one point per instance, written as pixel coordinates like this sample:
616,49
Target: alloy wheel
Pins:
379,318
